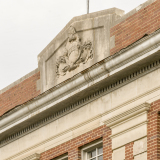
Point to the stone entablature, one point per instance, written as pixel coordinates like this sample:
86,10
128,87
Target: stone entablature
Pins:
54,116
95,76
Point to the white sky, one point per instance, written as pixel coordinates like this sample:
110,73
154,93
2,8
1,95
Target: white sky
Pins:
27,26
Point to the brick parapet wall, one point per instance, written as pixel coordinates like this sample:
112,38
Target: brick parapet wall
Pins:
145,21
73,146
19,93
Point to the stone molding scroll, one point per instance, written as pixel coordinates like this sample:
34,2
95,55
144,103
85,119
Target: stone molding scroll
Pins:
74,53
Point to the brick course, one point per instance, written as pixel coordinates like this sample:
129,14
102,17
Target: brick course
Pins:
153,137
145,21
19,94
129,151
72,147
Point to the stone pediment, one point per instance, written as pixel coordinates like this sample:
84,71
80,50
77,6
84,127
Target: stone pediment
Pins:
83,42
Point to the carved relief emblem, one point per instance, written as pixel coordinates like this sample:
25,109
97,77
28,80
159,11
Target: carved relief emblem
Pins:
74,53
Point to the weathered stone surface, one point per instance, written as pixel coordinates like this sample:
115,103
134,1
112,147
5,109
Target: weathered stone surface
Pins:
33,157
129,136
75,53
140,146
119,154
142,156
82,44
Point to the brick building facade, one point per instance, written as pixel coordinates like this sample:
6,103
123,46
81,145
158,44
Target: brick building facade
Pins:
95,94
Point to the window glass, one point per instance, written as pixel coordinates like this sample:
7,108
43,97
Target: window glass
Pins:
100,157
100,150
92,154
95,154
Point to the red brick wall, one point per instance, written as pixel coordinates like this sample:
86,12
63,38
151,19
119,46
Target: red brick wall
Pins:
136,26
72,147
153,137
19,94
129,151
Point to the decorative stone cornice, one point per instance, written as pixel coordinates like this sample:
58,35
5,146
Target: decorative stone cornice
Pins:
129,125
126,115
35,156
97,74
119,83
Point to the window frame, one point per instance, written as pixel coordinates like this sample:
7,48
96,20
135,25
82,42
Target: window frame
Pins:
62,157
86,149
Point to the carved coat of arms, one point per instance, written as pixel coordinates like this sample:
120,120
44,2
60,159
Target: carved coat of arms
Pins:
74,53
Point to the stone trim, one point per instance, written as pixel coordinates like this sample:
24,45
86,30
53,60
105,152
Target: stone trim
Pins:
128,129
119,154
131,122
35,156
140,146
119,83
127,114
114,11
